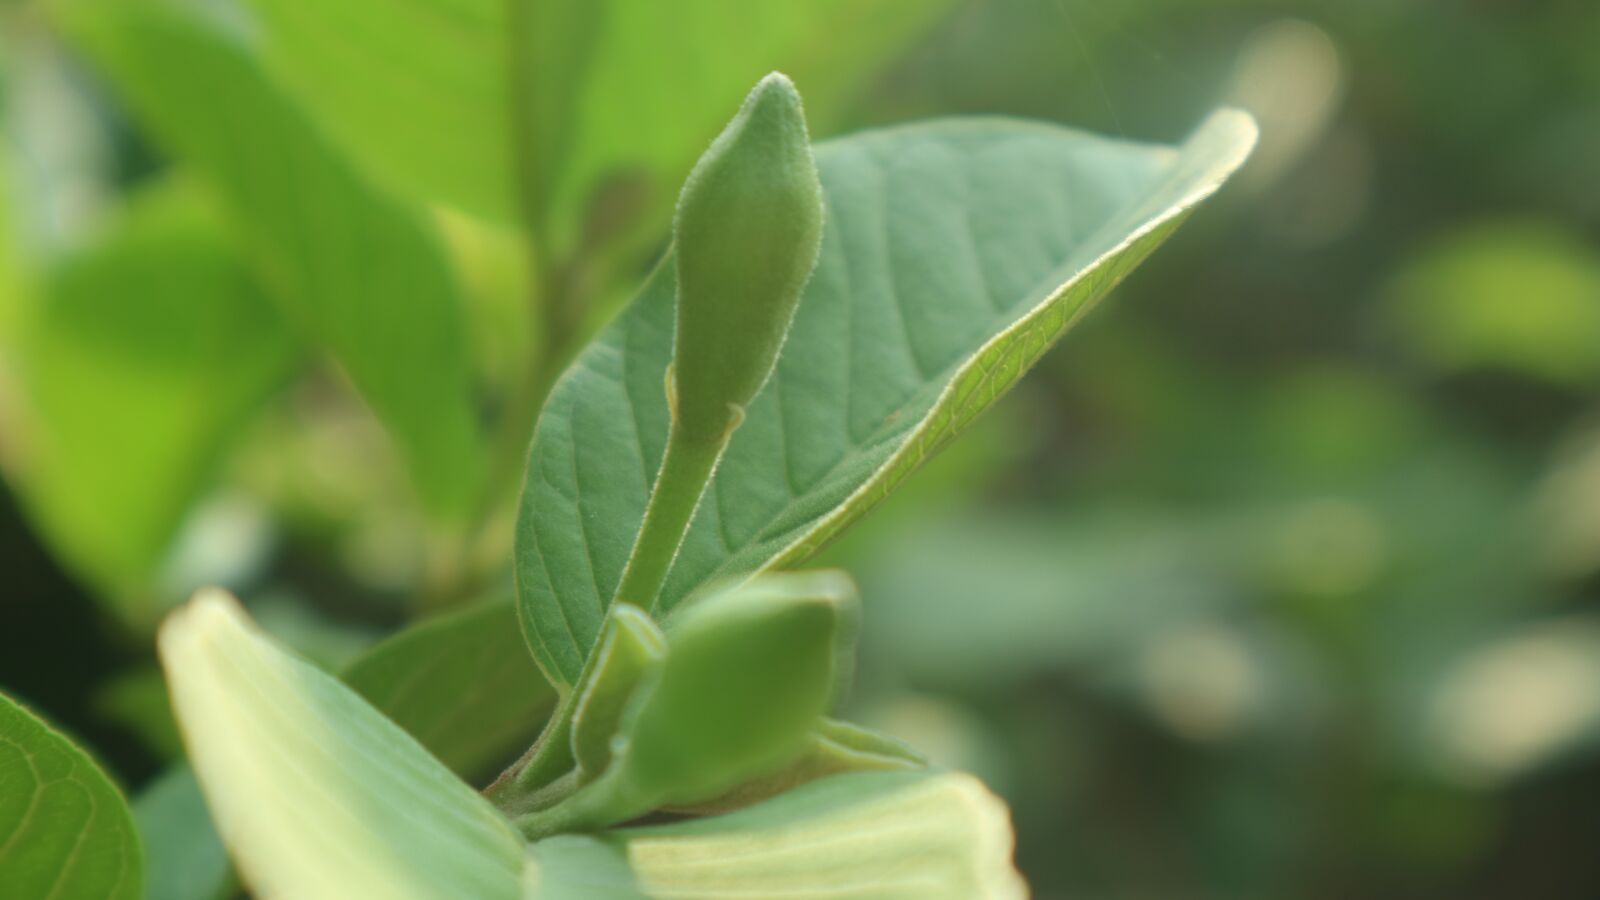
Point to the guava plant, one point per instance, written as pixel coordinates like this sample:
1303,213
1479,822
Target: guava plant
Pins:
824,319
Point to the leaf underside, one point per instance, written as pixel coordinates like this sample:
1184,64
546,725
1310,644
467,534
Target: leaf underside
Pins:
955,254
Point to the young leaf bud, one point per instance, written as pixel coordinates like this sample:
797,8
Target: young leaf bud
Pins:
747,232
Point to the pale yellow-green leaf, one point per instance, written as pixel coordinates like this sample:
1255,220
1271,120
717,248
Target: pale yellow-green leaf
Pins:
881,835
315,793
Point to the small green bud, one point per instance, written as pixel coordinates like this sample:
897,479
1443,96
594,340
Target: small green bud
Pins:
747,674
630,651
748,230
750,671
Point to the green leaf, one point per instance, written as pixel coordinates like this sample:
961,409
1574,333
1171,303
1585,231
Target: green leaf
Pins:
955,253
416,91
314,792
911,835
462,684
361,273
184,858
65,831
141,359
746,677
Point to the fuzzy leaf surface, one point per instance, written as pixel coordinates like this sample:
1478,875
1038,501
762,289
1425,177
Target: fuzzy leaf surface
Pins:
955,253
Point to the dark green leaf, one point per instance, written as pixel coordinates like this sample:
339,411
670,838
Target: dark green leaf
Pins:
462,684
65,831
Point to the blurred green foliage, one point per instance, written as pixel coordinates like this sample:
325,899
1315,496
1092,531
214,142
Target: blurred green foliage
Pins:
1280,579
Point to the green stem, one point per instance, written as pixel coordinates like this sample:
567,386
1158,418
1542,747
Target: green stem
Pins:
686,470
529,783
604,802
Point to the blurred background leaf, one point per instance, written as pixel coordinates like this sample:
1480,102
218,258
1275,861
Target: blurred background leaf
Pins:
184,858
351,267
139,363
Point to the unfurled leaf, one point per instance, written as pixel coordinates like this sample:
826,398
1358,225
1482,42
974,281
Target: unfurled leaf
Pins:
462,684
184,858
746,677
954,255
350,266
65,831
315,793
884,835
139,361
